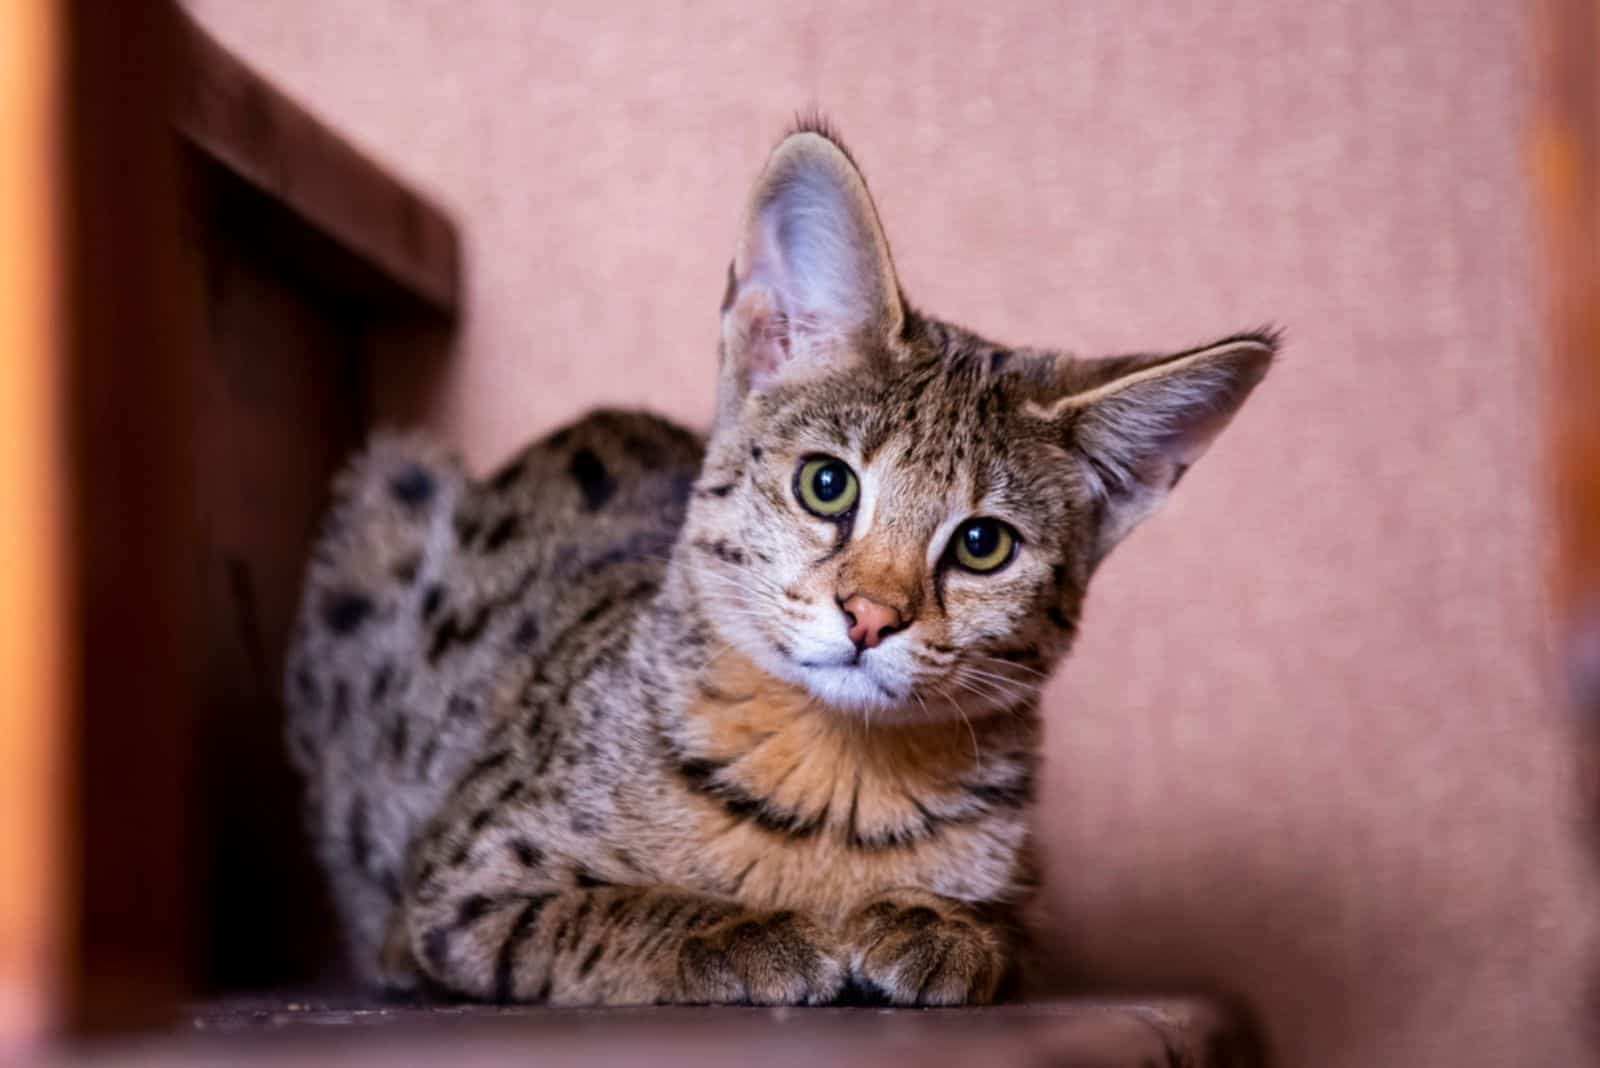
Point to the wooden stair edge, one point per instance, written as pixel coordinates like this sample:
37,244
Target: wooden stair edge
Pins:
253,131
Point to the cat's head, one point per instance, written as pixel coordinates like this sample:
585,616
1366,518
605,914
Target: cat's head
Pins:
894,513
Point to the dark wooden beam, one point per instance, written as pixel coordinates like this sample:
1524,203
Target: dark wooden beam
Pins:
304,193
131,372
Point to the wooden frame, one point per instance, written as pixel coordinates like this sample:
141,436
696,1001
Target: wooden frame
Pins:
116,433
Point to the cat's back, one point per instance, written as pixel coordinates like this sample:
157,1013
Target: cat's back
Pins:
434,602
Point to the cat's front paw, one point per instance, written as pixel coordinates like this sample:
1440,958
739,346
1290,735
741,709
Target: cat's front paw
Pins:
923,952
781,958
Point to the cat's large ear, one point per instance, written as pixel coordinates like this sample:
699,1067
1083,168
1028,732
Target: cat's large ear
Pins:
812,286
1136,424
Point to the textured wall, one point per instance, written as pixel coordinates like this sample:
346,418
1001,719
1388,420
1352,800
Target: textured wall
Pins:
1309,749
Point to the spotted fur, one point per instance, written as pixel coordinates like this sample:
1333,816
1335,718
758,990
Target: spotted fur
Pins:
591,730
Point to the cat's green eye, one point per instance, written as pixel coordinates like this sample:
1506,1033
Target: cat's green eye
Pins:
826,486
984,545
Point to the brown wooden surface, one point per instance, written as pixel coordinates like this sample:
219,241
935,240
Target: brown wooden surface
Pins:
1088,1033
282,408
184,323
324,278
35,685
131,309
1567,171
372,232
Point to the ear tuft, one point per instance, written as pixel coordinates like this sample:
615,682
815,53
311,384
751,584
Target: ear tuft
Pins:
815,122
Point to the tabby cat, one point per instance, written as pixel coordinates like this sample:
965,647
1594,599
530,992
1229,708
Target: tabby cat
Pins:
646,717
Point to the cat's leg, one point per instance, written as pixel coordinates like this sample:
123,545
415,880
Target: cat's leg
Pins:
621,945
911,947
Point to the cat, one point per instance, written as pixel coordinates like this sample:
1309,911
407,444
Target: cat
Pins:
650,718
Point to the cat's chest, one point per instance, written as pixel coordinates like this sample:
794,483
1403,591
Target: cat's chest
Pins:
781,804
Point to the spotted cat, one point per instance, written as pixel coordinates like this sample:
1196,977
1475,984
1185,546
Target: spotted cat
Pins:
645,717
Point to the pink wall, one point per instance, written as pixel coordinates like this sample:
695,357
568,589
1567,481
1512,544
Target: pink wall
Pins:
1310,749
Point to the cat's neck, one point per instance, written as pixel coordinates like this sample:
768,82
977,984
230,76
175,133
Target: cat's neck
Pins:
772,746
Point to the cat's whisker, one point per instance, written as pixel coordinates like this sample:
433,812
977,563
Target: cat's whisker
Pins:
970,671
968,687
1017,686
1015,666
729,611
729,601
718,655
990,694
921,702
726,607
699,569
754,591
977,757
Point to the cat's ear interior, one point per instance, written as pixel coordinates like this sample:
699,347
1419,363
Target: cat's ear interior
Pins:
1138,428
812,286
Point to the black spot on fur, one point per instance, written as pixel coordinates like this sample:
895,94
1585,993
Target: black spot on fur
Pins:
425,874
722,551
399,736
506,961
585,906
528,854
507,475
430,749
413,486
594,481
305,685
380,683
344,611
503,531
461,708
526,634
755,452
435,947
472,909
698,772
305,746
485,765
358,832
452,632
479,818
341,706
1013,794
467,528
510,790
406,570
588,880
430,601
591,959
535,722
699,776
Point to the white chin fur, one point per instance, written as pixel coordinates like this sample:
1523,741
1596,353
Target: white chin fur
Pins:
849,688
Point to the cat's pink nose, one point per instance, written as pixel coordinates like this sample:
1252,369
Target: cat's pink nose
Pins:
870,622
